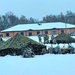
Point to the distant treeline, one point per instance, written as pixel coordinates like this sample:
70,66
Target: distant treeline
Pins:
9,19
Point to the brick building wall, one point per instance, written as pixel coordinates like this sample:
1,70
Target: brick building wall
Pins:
36,32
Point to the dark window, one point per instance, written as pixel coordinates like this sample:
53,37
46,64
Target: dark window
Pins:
22,33
46,32
30,33
38,32
7,34
62,31
54,32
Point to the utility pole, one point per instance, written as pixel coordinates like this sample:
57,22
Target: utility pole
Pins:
66,25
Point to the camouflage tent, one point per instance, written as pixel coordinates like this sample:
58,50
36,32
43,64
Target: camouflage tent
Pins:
15,44
64,38
19,44
17,41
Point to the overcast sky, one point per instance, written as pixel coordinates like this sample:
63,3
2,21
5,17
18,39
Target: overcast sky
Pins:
36,8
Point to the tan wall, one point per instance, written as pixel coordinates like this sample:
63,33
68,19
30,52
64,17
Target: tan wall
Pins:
68,31
11,34
34,33
43,32
25,33
72,30
4,34
49,32
57,31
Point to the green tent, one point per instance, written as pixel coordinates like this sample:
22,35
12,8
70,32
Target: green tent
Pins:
17,41
64,38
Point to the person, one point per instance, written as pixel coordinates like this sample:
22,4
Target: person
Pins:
58,49
64,50
39,37
70,49
50,50
47,38
52,39
44,50
44,38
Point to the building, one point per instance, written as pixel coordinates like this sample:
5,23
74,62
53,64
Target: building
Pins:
43,28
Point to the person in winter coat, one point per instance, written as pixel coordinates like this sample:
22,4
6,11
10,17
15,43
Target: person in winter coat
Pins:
39,37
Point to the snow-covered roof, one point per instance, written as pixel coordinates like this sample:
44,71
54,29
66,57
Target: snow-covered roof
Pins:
23,27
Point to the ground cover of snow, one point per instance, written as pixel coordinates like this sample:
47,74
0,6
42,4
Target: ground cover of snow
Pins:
48,64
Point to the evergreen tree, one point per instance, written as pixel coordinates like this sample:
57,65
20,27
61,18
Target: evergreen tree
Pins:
23,20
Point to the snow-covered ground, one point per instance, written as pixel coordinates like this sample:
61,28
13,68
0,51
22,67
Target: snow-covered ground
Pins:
48,64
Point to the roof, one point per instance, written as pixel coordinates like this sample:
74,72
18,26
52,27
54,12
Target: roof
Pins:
17,41
42,26
64,38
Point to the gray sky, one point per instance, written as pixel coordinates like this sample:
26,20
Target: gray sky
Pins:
36,8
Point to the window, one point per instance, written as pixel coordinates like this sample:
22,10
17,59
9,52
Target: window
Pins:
7,34
38,32
54,32
46,32
62,31
22,33
30,33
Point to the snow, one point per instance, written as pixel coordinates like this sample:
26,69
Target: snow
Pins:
6,38
48,64
23,27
